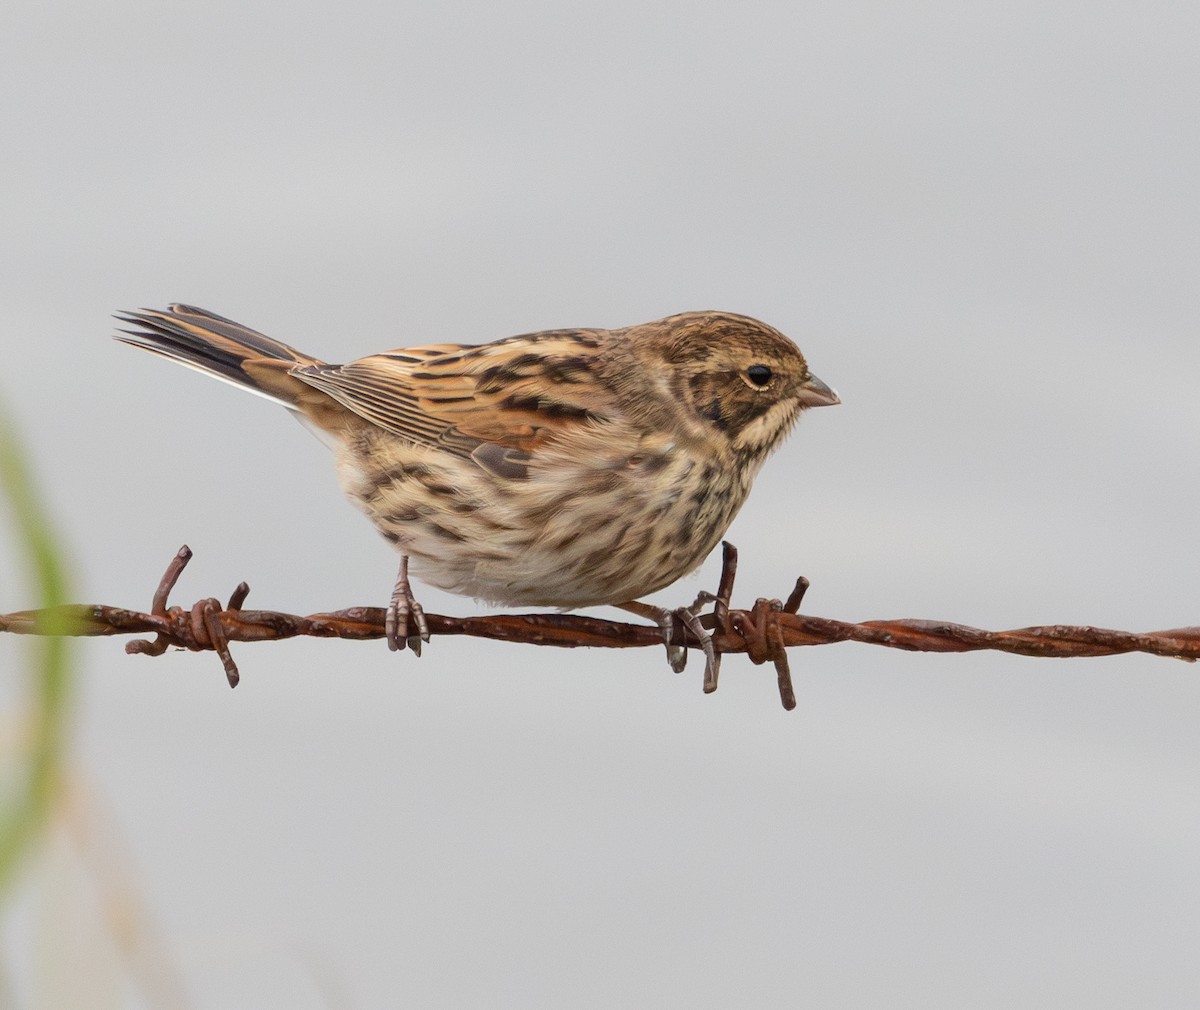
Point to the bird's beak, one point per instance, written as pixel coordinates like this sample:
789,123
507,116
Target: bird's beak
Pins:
814,393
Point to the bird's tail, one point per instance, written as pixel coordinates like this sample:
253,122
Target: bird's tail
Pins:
222,348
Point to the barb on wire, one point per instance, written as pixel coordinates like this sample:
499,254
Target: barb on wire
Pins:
764,632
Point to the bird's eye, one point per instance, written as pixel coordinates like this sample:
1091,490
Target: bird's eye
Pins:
760,375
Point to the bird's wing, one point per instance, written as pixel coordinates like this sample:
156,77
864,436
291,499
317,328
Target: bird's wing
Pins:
496,403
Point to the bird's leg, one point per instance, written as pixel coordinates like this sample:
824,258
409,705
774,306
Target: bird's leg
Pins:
712,662
402,609
720,602
665,619
677,654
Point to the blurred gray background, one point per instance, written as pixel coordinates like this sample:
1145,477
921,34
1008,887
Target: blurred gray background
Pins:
980,222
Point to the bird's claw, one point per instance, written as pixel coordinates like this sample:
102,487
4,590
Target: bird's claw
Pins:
712,662
677,654
404,613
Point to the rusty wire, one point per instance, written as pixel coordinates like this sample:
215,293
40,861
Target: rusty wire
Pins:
764,632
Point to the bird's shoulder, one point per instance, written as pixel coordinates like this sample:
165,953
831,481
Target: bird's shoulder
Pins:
497,403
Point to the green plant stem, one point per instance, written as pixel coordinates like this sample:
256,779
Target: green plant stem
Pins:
51,680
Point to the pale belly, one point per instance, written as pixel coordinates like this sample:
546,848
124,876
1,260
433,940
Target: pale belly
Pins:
567,537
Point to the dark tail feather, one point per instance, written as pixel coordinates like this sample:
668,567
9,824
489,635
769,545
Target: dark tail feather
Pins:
217,346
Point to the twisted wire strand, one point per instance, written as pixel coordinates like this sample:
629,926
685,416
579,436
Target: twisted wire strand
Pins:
764,632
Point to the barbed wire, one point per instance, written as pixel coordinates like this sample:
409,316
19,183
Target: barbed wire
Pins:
764,632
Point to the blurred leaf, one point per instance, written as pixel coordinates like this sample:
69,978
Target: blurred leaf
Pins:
39,778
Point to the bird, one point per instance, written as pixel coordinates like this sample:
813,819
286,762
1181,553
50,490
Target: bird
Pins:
565,468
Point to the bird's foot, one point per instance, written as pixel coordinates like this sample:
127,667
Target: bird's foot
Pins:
687,616
404,614
677,653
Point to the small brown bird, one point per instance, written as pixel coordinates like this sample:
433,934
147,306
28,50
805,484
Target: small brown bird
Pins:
565,468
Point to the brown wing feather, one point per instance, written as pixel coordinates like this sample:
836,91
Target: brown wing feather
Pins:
514,393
